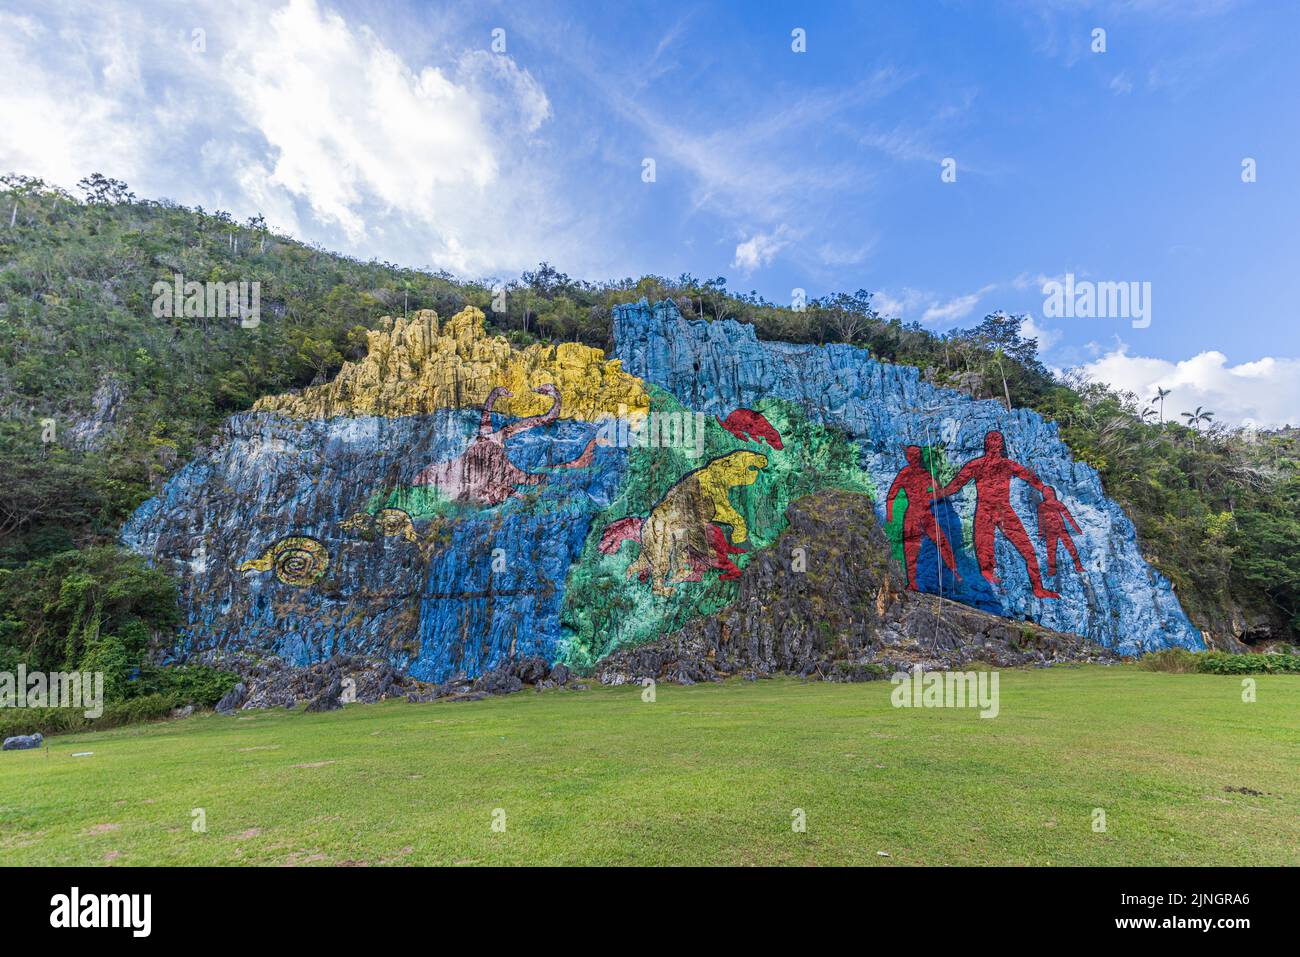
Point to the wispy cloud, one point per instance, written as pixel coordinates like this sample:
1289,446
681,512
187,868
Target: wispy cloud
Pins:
295,111
929,308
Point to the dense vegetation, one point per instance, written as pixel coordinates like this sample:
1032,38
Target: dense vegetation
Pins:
102,400
1182,661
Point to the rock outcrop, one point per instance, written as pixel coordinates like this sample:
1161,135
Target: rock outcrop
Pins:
451,507
280,542
419,365
1118,600
826,600
92,432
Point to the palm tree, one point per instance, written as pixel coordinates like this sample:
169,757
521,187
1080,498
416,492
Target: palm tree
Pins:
1147,413
1199,417
998,357
1196,419
1160,397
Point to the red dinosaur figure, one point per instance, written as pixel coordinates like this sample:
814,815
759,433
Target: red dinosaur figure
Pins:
750,426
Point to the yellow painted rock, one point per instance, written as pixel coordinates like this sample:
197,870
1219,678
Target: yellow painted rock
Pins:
414,366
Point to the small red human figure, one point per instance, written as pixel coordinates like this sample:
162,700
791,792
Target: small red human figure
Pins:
1052,516
992,473
918,521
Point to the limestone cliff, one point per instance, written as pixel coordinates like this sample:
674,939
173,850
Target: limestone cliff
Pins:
827,600
1117,599
419,365
449,503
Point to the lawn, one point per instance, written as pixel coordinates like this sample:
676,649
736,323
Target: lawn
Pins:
709,774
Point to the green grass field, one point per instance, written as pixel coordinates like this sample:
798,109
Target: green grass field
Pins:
708,774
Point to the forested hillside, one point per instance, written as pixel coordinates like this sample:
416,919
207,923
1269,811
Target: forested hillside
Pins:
102,401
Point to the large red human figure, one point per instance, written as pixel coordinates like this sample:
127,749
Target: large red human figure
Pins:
992,473
918,520
1052,516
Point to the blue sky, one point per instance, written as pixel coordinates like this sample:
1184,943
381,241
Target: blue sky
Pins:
397,131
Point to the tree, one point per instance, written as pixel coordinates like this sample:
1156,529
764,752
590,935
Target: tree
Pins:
1196,419
1160,397
101,190
1201,416
546,281
999,358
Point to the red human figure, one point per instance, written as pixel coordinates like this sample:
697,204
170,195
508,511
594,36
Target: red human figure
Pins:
918,521
1052,516
992,473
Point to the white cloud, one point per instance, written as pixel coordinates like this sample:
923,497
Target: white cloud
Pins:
1120,84
934,309
952,311
1265,391
53,121
1047,337
759,250
295,111
897,306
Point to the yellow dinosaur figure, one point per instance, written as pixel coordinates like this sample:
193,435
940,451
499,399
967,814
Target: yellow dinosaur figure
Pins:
681,538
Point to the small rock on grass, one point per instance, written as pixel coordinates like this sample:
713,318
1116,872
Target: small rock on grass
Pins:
232,699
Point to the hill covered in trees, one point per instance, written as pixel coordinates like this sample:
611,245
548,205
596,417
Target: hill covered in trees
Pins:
103,400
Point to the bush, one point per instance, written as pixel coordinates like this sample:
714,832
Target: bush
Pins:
149,697
100,603
51,721
1175,660
1221,663
843,670
1182,661
108,654
198,685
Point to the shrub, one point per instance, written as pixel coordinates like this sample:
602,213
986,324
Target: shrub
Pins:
1222,663
1182,661
189,684
108,654
51,721
1174,660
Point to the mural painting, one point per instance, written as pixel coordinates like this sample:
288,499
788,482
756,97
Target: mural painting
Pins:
451,501
992,474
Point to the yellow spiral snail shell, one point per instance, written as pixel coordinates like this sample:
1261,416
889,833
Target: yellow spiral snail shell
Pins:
297,560
396,521
389,521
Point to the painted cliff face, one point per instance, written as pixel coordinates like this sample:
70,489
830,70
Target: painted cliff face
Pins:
450,502
987,539
684,533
